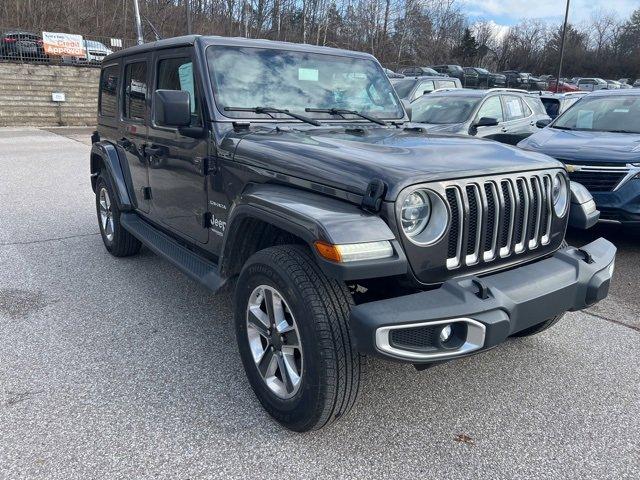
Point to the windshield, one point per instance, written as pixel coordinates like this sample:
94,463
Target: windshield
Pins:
482,71
255,77
611,113
443,109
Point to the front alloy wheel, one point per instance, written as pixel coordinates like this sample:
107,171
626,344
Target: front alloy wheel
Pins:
274,341
284,304
106,214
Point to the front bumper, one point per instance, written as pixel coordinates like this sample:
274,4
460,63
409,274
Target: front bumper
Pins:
484,311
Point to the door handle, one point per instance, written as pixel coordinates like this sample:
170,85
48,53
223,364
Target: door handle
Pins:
124,143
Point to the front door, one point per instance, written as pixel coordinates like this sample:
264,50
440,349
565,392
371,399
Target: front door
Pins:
491,108
176,161
133,128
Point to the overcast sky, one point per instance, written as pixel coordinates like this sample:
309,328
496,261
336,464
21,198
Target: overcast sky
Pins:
509,12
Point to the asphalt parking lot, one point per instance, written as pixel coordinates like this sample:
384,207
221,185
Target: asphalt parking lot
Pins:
125,368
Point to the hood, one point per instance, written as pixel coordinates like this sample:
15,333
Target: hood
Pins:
589,147
444,127
333,157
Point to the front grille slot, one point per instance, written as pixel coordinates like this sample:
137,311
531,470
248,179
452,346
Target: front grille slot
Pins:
498,218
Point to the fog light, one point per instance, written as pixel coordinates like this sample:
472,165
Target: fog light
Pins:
445,333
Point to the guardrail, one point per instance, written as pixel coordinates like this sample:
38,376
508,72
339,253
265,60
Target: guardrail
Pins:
17,45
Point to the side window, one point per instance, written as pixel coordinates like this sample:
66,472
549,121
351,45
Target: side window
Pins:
423,87
525,108
513,108
492,108
108,91
177,74
446,84
135,91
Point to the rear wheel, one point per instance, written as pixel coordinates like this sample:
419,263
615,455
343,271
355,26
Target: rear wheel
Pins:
118,241
294,338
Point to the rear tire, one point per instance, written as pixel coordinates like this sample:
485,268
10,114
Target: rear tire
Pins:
318,307
118,241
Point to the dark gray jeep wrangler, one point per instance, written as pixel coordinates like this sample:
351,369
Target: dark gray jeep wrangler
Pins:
291,173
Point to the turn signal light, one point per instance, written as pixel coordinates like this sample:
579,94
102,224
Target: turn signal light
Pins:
353,252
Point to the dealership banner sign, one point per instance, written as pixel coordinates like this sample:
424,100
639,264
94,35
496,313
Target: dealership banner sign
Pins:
63,44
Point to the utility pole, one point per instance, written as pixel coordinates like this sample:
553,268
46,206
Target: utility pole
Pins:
136,9
564,31
186,4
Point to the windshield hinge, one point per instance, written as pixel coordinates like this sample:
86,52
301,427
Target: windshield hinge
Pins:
372,200
241,126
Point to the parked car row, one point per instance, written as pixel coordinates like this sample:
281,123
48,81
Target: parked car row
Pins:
25,46
477,77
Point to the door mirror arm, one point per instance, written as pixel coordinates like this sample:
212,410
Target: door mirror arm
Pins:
192,132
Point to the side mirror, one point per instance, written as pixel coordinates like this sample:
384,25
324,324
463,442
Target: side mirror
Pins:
486,122
172,108
543,123
407,107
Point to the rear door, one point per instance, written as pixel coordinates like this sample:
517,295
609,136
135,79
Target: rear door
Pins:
177,162
133,125
519,121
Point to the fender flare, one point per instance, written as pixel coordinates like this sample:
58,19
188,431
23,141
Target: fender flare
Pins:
105,155
311,217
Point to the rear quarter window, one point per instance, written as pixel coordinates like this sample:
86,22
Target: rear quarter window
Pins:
108,102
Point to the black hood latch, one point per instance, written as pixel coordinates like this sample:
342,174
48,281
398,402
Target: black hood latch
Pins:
372,200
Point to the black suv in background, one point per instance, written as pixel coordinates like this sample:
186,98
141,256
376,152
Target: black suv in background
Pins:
516,79
455,71
476,77
341,228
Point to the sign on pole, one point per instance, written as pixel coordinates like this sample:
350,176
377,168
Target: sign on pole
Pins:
63,44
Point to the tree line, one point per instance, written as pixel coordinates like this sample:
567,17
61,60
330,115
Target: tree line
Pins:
397,32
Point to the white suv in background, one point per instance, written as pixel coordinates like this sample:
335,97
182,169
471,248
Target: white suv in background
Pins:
592,84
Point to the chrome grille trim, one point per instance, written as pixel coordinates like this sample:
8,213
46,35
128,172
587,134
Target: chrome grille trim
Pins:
456,260
474,257
490,254
522,210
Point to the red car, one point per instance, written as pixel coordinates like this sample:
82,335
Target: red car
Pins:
564,87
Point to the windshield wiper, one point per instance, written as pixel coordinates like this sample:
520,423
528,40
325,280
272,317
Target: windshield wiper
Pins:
562,128
269,110
620,131
342,112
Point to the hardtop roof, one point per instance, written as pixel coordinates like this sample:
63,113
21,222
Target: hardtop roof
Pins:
190,40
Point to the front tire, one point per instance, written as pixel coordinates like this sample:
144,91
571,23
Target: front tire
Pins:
294,338
118,241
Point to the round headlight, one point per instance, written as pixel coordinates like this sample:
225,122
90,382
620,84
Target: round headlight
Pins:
423,216
415,213
559,194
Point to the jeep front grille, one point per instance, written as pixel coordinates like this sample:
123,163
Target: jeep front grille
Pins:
497,218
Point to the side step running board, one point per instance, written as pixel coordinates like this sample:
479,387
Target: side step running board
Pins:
195,266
